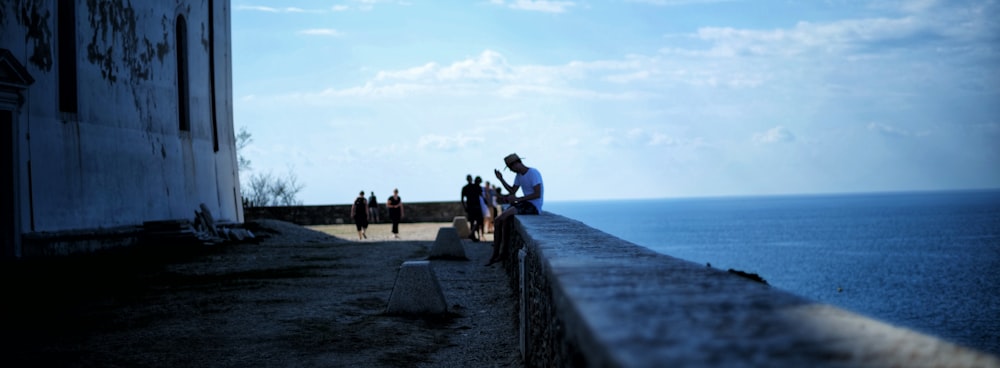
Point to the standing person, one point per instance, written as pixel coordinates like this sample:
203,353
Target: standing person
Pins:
359,212
483,210
395,205
497,208
529,181
490,196
373,209
473,211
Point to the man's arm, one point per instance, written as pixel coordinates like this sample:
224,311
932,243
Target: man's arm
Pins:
536,193
510,189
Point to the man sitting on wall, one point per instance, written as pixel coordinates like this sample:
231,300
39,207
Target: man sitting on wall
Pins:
529,181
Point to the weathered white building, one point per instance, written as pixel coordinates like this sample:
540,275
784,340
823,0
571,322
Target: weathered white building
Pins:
113,113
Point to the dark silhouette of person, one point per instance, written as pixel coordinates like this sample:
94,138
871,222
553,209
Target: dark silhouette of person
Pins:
359,212
473,210
395,205
373,208
529,181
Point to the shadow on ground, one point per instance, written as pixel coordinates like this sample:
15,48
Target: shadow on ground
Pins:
296,297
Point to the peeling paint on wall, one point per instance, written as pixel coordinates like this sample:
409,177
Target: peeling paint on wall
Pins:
204,37
163,48
115,45
116,48
39,35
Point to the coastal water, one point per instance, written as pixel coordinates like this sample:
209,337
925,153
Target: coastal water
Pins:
928,261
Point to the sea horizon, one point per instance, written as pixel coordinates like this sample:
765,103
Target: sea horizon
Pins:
779,195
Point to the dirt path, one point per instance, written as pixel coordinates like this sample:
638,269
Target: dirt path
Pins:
299,298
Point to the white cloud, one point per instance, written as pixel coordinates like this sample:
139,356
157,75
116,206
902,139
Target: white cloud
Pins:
367,5
415,73
680,2
537,5
660,139
810,38
801,51
651,138
490,73
488,65
363,5
448,143
893,131
268,9
778,134
504,119
917,6
639,75
322,32
634,138
366,90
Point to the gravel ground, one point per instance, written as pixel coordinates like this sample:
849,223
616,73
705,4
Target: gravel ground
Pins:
299,297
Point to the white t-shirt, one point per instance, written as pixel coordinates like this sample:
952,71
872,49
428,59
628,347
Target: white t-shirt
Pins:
527,183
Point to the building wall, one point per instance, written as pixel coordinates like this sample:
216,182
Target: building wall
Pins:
121,158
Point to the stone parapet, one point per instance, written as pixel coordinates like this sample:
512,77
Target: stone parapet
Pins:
341,213
589,299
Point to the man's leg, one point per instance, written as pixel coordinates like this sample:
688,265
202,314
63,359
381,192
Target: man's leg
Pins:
499,231
476,225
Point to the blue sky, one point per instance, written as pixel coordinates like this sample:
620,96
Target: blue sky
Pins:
620,99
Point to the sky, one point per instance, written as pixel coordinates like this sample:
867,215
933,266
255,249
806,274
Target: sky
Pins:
619,99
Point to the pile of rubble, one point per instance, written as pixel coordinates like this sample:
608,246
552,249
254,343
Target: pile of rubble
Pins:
202,230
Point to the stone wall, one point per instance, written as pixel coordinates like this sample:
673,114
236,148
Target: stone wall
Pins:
588,299
341,214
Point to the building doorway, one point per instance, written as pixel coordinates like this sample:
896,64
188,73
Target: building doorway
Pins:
7,177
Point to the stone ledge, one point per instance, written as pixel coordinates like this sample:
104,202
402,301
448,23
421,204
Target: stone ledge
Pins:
591,299
341,213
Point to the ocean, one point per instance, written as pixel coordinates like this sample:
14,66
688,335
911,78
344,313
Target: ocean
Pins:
928,261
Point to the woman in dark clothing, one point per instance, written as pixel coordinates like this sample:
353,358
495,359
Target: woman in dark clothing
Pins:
395,205
373,209
359,212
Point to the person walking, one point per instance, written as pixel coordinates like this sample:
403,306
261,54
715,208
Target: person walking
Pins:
395,205
529,181
473,210
359,212
373,209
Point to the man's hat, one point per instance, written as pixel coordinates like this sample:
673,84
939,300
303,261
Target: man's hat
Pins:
511,159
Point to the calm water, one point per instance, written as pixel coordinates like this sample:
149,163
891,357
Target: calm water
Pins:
928,261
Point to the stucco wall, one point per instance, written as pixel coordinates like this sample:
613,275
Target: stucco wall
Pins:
588,299
121,158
